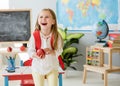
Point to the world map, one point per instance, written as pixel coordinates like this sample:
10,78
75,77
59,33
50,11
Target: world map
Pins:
77,14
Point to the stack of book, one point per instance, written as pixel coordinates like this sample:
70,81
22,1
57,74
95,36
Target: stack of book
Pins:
114,42
113,36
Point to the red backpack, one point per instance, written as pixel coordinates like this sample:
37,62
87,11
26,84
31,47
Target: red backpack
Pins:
37,38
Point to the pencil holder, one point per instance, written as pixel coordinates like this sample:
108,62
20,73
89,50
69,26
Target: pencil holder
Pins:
11,65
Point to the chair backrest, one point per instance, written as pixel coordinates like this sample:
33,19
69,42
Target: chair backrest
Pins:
28,62
61,62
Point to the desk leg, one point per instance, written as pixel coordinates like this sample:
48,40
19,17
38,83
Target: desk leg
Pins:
110,59
84,75
60,79
6,81
106,78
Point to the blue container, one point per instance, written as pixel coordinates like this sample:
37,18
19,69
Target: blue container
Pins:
11,65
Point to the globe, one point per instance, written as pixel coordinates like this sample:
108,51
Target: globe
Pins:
101,30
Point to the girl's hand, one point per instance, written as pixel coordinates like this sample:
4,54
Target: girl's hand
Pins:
40,53
48,51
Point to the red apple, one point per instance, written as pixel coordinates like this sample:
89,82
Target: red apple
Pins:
9,49
22,48
40,52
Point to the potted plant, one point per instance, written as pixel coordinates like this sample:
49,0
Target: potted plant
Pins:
69,51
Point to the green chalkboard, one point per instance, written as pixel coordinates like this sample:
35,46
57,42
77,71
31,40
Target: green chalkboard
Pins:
15,25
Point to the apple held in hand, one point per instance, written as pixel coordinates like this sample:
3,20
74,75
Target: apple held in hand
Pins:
9,49
22,48
40,52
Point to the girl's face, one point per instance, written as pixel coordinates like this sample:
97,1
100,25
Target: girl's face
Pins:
45,20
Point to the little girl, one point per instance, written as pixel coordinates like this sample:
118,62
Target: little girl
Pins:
45,46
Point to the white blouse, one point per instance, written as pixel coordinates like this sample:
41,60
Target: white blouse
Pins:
50,62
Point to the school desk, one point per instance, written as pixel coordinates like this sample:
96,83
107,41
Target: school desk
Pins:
21,73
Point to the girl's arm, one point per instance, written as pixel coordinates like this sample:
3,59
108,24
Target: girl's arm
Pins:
32,51
31,47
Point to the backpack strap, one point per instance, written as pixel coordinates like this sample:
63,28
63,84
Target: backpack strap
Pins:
37,38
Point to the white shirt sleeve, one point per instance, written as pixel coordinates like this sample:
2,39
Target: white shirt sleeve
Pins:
31,46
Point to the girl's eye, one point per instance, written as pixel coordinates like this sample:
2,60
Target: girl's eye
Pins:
41,16
46,16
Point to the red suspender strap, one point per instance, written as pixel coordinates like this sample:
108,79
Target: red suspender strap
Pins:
37,38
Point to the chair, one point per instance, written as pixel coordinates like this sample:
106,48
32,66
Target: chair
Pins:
30,82
27,82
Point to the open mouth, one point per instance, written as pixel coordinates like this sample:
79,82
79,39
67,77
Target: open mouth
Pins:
44,23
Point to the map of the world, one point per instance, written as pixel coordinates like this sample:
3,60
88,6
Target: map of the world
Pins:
78,14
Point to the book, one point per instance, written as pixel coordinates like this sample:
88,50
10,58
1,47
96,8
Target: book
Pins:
113,43
114,36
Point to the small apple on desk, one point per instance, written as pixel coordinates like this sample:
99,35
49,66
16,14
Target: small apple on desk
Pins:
22,48
9,49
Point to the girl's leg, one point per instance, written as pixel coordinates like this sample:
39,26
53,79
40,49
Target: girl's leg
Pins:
52,78
38,79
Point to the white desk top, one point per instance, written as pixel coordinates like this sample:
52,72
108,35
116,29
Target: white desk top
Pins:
18,70
22,70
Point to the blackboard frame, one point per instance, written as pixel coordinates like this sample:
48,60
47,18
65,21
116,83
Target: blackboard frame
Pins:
15,25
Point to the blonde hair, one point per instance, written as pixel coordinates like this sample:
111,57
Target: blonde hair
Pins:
54,30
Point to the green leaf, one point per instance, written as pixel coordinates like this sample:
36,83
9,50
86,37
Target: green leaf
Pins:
62,33
69,42
75,35
71,50
68,55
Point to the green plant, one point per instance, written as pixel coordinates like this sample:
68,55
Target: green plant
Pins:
69,51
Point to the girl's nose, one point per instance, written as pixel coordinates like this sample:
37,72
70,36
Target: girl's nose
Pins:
43,18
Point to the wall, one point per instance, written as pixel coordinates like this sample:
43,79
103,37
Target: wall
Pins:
4,4
119,11
34,5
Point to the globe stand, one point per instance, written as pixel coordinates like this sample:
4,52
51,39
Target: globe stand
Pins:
101,41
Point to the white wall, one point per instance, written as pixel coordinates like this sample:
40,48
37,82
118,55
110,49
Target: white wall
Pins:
4,4
34,5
